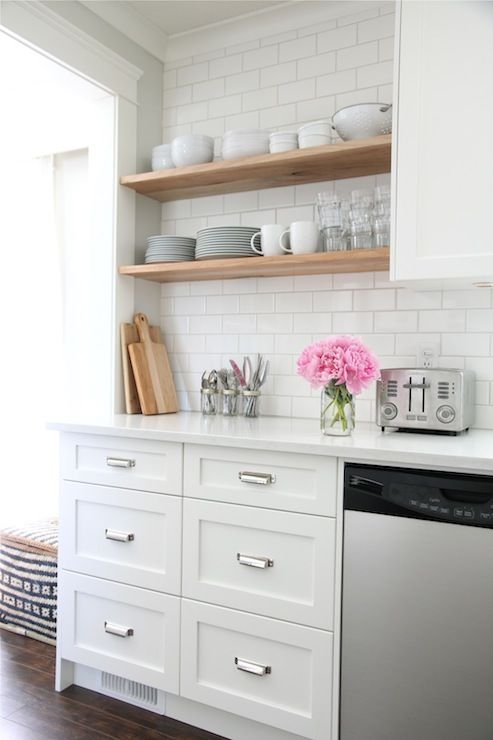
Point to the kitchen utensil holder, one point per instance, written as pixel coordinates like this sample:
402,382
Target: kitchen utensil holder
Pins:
208,401
251,403
230,402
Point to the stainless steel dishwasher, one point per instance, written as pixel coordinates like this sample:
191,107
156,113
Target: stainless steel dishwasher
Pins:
417,605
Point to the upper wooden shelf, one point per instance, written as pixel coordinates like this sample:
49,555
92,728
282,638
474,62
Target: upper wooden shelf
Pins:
359,260
330,162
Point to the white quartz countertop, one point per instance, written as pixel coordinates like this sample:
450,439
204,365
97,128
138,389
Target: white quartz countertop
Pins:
472,450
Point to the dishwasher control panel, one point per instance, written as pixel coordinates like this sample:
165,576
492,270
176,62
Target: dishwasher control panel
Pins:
458,499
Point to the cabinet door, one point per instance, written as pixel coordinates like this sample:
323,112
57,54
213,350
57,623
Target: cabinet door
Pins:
442,152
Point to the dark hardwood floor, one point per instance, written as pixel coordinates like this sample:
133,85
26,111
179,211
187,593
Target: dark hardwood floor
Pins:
30,708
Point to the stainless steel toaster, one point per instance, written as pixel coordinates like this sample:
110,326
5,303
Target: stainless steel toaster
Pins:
426,399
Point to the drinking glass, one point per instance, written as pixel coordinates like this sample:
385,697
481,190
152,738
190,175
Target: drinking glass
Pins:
330,216
361,219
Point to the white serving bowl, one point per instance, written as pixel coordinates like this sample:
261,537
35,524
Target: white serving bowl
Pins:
161,157
192,149
283,141
308,140
316,127
363,120
248,133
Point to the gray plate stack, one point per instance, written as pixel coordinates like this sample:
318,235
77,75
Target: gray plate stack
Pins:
221,242
169,248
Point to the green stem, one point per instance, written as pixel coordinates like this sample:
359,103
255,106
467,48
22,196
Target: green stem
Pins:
339,399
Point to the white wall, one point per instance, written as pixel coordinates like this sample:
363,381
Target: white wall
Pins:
280,82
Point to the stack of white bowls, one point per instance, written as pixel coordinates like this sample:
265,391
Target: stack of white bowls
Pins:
283,141
192,149
316,133
246,142
161,157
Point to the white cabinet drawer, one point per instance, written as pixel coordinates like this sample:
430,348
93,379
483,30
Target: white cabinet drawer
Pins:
126,463
275,480
95,616
275,563
128,536
270,671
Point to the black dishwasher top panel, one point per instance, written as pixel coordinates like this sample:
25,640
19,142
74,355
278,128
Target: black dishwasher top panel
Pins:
420,494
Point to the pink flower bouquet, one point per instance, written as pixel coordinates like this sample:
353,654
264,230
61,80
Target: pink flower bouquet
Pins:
342,365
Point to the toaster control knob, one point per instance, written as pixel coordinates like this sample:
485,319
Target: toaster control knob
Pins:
445,414
389,411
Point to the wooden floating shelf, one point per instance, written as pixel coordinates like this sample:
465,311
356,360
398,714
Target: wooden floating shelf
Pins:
330,162
359,260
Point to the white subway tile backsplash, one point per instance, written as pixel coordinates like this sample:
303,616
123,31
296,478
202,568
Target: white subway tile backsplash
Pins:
337,38
260,58
225,106
377,28
211,204
333,300
272,118
280,82
258,303
222,304
470,345
206,90
271,323
336,82
242,82
294,302
259,98
375,74
278,74
189,306
319,64
447,320
357,56
298,48
352,322
228,65
374,300
292,92
192,73
396,321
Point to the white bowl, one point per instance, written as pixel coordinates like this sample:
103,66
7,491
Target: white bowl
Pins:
315,127
192,149
282,146
307,140
161,157
363,120
246,132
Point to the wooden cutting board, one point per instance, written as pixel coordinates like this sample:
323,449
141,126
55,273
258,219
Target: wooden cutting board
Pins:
152,372
130,335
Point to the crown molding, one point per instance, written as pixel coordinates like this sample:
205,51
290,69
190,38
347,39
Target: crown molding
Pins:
33,22
288,16
126,19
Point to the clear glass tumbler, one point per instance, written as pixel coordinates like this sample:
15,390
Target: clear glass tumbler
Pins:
330,218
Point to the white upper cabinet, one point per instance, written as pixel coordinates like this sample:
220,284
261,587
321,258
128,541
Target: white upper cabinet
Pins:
443,142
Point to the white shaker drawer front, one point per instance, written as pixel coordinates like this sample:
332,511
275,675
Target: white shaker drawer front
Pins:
127,631
126,463
128,536
269,562
275,480
270,671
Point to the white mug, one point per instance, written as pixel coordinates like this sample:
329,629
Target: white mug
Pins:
303,236
269,240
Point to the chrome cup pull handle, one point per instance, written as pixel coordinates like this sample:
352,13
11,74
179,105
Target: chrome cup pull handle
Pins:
260,479
120,462
114,534
256,668
253,561
117,629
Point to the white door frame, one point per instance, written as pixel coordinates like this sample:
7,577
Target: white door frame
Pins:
113,207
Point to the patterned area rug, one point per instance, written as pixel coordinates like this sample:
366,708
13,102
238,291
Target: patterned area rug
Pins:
28,579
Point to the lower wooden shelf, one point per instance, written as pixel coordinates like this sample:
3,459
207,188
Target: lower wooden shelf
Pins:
359,260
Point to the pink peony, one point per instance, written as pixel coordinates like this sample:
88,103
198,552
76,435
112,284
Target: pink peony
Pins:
342,359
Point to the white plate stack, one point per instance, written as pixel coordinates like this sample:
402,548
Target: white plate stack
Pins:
245,142
169,248
221,242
